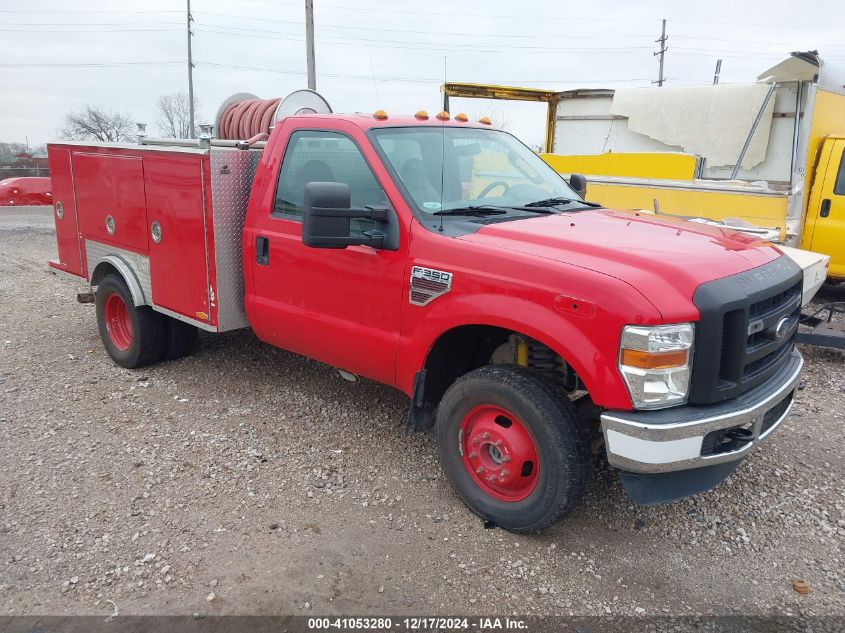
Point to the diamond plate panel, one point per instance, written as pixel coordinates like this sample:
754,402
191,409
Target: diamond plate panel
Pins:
232,173
140,264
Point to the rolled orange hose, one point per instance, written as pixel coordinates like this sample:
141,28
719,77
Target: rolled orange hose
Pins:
247,119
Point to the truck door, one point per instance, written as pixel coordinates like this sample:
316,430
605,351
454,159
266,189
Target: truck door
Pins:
339,306
829,230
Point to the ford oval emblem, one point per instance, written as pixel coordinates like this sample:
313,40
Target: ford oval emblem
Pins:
783,327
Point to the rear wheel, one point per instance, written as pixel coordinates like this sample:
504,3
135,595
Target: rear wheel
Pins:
512,447
133,336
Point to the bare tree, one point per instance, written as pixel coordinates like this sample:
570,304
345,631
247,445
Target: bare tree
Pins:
7,150
95,124
174,116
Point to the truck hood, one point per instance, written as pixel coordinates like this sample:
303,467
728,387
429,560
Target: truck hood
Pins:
665,259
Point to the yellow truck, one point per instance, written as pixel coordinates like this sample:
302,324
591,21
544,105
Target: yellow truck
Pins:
766,156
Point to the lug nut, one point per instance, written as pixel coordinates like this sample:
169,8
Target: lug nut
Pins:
485,436
479,470
473,455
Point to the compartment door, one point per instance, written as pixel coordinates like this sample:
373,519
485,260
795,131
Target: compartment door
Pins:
64,212
178,255
110,186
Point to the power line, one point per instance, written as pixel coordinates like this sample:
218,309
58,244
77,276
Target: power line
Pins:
404,31
83,12
416,45
85,65
412,79
169,30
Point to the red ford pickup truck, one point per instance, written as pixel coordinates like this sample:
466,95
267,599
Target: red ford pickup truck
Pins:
444,258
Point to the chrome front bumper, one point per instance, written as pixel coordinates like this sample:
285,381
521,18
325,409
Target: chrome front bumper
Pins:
652,442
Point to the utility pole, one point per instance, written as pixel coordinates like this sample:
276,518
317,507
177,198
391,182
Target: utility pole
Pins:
718,70
662,53
191,132
309,44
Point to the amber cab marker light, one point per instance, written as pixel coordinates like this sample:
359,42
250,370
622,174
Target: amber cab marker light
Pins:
485,120
443,116
422,115
461,117
380,114
653,360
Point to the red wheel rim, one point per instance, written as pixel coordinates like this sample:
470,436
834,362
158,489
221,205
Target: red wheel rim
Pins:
499,453
118,322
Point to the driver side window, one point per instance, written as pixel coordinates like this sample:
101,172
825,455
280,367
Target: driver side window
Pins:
321,156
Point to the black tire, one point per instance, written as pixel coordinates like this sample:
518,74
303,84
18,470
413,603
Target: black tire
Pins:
559,441
148,329
181,339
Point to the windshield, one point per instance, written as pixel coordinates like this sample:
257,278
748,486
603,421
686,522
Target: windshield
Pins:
452,168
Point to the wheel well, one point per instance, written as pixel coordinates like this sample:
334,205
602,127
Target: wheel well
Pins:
116,265
102,269
458,351
468,347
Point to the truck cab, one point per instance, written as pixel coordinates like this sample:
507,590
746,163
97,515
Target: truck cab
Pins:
444,258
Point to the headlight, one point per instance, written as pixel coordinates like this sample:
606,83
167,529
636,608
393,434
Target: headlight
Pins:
655,363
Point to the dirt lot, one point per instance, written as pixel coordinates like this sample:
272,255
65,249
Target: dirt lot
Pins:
245,479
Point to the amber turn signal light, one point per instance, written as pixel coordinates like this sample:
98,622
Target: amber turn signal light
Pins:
380,114
443,116
422,115
653,360
485,120
461,117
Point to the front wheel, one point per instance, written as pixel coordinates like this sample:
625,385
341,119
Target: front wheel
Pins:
512,447
133,336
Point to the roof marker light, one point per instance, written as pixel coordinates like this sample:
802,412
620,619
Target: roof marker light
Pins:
461,117
485,120
443,116
381,115
422,115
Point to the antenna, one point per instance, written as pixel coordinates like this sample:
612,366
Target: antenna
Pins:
373,75
442,156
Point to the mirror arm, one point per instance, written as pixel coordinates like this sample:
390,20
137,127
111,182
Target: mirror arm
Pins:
374,239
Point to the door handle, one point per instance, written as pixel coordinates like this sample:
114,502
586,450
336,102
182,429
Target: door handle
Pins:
262,251
825,210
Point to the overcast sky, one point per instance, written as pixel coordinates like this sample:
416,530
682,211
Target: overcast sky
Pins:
58,55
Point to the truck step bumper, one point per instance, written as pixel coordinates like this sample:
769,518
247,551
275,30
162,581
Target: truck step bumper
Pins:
700,437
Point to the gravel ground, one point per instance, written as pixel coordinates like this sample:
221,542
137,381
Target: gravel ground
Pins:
245,479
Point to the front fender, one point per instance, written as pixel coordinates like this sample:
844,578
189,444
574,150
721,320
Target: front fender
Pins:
588,344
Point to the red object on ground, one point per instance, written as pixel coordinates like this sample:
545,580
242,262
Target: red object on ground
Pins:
25,192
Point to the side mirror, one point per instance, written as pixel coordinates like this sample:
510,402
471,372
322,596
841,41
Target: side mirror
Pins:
579,184
327,212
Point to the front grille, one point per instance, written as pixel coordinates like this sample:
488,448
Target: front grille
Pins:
746,331
775,303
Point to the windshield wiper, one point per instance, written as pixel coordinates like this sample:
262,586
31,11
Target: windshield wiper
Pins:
554,202
479,209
